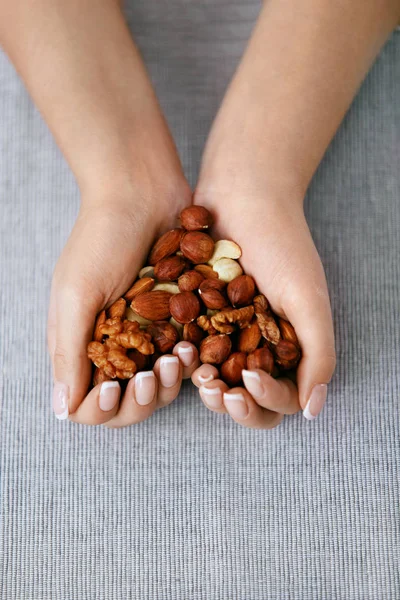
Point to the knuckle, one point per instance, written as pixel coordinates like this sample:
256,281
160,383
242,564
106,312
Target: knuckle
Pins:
60,358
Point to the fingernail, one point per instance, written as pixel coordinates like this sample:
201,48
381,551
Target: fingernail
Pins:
186,355
253,383
212,396
207,379
60,400
109,395
169,371
316,401
236,405
145,387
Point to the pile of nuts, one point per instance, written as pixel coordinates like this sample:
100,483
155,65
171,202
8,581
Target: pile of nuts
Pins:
193,289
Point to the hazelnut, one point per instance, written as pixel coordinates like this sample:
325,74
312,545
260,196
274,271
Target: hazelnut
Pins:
261,359
167,244
164,336
193,333
287,331
231,369
190,281
212,295
153,305
287,354
241,290
249,338
197,246
195,218
141,360
227,269
169,269
185,307
215,349
139,287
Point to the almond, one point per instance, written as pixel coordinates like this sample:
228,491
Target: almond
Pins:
195,218
215,349
231,369
193,333
249,338
117,310
212,295
287,331
287,354
184,307
167,244
139,287
198,247
190,281
164,336
101,319
207,271
153,305
261,359
241,290
169,269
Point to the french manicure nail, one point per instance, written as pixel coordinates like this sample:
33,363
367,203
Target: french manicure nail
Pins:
186,355
145,387
212,396
253,383
169,371
236,405
207,379
60,400
316,401
109,395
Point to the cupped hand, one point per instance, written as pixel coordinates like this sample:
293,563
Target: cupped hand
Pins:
106,249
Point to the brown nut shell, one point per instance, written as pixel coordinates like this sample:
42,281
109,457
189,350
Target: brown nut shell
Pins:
193,333
165,246
231,369
215,349
164,336
190,281
195,218
153,305
261,359
139,287
169,269
249,338
287,331
287,354
184,307
241,290
197,246
211,293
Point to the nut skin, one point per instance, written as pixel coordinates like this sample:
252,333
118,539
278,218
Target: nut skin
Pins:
261,359
141,361
241,290
195,218
197,246
207,271
249,338
117,310
231,369
190,281
215,349
211,293
193,333
287,354
287,331
184,307
167,244
101,319
153,305
164,336
169,269
139,287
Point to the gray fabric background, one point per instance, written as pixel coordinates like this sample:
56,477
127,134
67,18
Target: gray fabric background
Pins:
188,506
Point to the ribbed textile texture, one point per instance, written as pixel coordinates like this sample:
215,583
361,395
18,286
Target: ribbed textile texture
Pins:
189,506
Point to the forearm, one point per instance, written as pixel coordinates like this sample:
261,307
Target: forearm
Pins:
83,71
302,68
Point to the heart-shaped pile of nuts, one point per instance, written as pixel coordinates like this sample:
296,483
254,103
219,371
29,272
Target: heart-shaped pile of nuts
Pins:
193,289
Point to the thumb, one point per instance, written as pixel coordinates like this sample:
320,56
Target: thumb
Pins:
310,315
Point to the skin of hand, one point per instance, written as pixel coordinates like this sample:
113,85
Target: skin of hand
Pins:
96,97
302,68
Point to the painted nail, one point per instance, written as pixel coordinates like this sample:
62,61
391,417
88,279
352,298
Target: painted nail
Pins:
109,395
60,400
207,379
253,383
186,355
169,371
145,387
316,401
236,405
212,396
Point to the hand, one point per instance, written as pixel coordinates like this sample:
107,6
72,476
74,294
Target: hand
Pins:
279,253
104,253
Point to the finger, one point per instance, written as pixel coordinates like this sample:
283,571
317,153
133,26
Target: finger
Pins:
75,314
278,395
51,323
212,395
245,411
204,374
139,401
99,406
189,357
310,315
168,370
